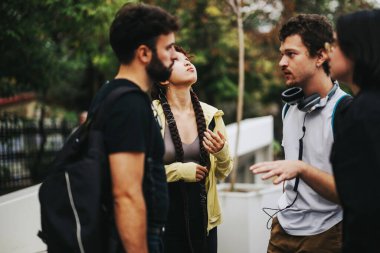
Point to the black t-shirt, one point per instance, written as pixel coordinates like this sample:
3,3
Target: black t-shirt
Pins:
128,124
131,127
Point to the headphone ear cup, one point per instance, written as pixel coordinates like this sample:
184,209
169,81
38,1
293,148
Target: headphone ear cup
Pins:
308,104
292,95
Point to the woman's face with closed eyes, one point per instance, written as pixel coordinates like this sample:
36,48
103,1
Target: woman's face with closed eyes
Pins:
183,71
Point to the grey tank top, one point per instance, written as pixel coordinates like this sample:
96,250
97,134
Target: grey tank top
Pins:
190,151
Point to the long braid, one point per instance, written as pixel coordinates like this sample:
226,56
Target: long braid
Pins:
203,159
201,125
179,153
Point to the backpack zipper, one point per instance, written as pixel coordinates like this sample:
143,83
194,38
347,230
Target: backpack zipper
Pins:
77,221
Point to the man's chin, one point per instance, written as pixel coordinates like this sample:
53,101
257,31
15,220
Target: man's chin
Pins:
291,83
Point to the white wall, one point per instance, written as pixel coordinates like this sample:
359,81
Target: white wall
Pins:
244,223
255,133
20,222
256,140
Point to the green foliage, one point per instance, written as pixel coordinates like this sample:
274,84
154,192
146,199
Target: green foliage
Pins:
60,48
57,47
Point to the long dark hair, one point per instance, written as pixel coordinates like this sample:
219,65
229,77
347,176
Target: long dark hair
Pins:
359,38
159,92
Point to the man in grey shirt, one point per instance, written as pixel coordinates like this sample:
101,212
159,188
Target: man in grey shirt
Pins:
309,217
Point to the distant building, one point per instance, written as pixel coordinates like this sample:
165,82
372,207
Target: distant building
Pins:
23,104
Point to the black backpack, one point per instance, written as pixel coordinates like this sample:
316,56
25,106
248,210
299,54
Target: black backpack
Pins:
74,216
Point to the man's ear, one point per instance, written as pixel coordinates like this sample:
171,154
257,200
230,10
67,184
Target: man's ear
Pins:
144,54
322,57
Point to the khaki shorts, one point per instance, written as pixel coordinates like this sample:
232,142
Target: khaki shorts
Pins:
329,241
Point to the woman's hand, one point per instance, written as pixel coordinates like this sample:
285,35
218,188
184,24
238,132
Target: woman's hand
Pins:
213,143
200,173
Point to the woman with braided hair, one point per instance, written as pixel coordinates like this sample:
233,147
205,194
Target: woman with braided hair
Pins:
196,156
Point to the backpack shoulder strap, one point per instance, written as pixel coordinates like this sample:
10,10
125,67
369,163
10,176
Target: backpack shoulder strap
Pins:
341,105
99,114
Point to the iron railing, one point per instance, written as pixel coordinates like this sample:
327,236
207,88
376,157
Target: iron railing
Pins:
27,147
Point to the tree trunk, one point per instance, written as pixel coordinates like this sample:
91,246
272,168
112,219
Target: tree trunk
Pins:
239,112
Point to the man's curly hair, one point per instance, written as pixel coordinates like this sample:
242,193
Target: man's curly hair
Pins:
314,31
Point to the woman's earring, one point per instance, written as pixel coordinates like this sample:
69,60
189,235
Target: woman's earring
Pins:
165,83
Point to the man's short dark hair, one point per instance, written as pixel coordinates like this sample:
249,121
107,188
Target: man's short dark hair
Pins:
359,39
314,31
138,24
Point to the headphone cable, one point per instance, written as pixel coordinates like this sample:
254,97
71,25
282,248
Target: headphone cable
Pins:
295,188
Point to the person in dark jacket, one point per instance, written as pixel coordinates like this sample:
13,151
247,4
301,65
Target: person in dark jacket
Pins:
355,60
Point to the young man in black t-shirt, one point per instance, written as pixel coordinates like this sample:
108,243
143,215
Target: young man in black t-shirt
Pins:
142,38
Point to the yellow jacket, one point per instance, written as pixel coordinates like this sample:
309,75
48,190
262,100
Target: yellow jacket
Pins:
221,164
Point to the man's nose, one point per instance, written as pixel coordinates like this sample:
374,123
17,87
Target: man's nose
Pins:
283,61
173,54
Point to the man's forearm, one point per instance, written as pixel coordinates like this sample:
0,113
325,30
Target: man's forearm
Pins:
130,213
321,182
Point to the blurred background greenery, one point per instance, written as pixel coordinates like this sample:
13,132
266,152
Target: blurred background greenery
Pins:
59,49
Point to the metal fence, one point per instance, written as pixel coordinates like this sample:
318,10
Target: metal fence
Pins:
27,147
